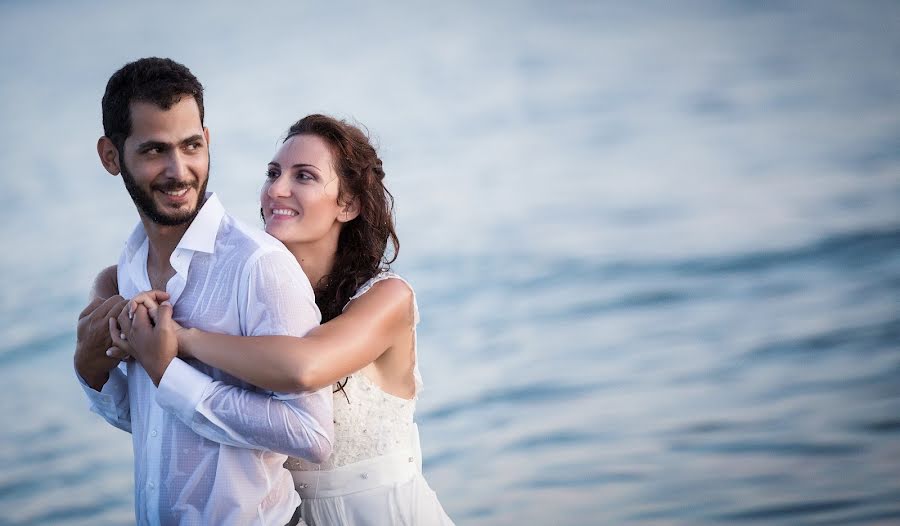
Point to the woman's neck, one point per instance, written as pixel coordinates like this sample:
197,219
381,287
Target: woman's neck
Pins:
316,259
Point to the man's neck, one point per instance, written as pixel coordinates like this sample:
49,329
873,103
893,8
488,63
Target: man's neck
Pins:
162,242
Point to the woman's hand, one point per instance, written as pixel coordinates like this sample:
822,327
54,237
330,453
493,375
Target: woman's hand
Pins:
152,343
149,299
121,326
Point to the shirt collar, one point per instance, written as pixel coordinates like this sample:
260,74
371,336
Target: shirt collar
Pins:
201,234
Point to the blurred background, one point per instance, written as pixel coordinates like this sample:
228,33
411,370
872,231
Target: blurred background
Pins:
656,246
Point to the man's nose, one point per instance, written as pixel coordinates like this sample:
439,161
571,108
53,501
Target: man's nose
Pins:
178,166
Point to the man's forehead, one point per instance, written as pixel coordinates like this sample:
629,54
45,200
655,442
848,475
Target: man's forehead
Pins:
183,101
179,121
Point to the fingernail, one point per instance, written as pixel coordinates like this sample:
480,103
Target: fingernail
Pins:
109,353
122,336
166,303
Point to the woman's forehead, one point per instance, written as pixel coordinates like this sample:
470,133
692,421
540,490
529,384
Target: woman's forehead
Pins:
304,149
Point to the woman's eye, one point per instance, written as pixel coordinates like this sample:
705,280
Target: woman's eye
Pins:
271,174
305,176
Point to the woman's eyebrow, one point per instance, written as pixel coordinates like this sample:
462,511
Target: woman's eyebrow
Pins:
305,165
298,165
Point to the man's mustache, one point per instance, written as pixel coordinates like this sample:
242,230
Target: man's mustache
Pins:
174,186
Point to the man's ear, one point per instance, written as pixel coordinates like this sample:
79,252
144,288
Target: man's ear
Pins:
206,135
350,211
109,155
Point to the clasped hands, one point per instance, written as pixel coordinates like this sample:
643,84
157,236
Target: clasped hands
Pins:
143,330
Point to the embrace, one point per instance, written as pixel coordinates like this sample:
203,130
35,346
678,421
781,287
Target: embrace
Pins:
268,377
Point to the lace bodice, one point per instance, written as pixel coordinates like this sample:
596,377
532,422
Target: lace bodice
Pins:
369,422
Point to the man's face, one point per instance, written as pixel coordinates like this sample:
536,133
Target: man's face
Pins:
165,161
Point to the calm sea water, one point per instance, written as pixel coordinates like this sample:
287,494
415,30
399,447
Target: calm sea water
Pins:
657,250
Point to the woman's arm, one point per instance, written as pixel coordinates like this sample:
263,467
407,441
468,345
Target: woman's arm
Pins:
326,354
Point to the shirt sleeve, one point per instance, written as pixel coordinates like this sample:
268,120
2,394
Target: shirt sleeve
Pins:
111,402
278,301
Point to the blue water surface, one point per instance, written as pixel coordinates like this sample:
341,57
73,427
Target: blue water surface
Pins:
656,246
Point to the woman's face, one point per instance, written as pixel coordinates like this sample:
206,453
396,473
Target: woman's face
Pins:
300,196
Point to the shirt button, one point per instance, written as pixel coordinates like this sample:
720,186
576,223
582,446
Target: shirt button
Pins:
153,433
365,475
152,485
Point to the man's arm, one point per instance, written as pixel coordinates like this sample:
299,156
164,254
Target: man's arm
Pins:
102,381
278,300
92,336
106,284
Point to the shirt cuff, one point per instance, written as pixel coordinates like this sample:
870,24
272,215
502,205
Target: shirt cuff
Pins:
181,389
104,400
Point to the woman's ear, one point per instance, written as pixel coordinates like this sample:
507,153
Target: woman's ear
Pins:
350,211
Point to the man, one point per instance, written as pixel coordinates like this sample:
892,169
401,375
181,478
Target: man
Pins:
208,448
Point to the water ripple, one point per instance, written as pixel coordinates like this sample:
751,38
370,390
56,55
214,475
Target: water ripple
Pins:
881,426
35,347
771,447
854,249
793,509
862,338
515,395
553,439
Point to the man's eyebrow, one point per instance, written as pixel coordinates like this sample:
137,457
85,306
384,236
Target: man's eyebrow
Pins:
146,145
192,138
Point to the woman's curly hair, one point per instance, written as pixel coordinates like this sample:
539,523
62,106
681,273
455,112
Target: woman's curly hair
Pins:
362,244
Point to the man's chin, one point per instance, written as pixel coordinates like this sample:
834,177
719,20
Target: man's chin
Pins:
173,218
167,215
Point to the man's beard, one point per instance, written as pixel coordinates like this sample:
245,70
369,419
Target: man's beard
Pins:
144,200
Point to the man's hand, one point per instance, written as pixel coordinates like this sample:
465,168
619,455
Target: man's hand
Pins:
154,346
92,341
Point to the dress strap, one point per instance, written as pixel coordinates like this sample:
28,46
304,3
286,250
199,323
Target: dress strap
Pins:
381,276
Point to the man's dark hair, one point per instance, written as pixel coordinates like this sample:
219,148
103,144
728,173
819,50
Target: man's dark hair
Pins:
159,81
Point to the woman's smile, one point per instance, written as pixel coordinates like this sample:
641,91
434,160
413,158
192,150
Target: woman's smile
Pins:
284,213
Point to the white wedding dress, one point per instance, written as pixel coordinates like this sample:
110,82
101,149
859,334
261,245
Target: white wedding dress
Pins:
374,474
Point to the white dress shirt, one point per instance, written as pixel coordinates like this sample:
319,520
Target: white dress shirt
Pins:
209,448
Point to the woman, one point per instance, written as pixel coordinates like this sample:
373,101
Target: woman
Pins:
325,199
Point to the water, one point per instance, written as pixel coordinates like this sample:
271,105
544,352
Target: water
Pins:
656,250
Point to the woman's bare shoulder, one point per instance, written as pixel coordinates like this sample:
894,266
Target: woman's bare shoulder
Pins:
390,300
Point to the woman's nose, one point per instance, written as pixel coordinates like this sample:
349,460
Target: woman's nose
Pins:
279,187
